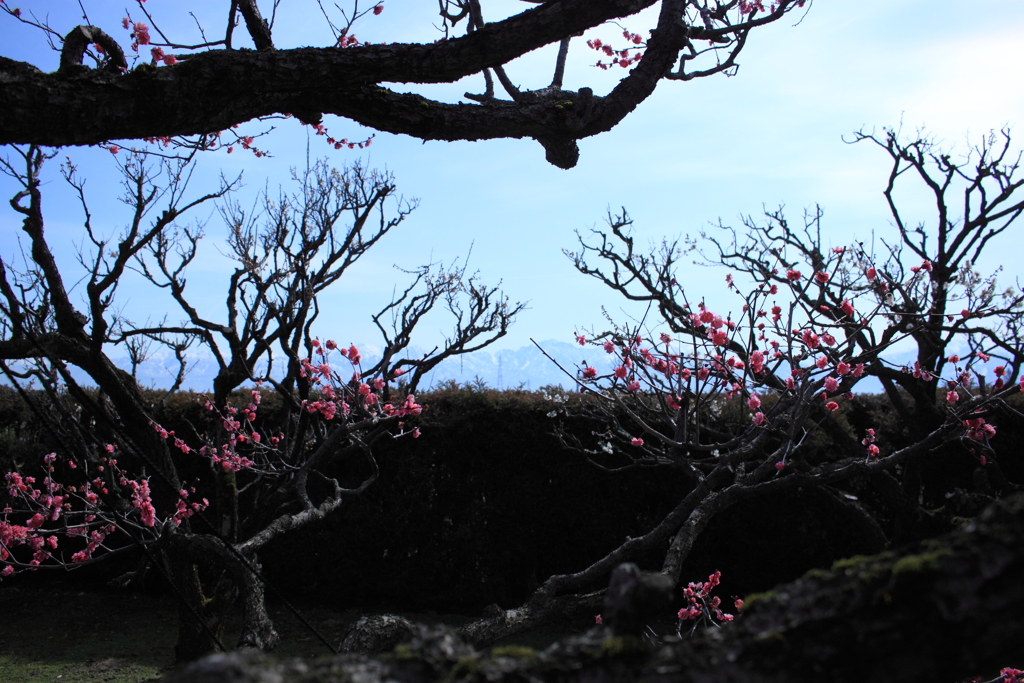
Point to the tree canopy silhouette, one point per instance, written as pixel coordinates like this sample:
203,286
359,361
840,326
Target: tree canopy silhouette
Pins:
189,89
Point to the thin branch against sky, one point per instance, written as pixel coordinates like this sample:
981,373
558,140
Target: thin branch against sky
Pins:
692,153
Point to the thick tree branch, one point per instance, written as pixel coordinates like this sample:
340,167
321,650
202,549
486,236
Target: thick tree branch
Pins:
212,91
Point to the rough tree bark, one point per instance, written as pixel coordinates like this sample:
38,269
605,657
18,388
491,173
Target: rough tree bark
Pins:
733,456
282,266
942,610
210,91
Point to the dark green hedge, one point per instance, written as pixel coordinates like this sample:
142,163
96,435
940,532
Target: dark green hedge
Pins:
486,504
477,510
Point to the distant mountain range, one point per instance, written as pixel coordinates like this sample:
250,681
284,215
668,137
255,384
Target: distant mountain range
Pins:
525,367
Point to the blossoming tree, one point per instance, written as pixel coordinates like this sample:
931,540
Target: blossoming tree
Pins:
242,71
730,399
204,501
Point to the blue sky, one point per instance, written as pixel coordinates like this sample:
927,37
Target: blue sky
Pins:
693,152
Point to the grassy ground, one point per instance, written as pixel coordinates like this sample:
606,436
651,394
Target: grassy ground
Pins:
57,633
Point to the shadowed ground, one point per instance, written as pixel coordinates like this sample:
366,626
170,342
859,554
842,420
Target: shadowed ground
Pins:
52,631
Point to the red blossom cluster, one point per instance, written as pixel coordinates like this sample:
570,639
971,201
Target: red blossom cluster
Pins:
869,442
702,606
209,142
750,6
226,456
321,130
164,140
620,57
55,512
729,373
717,355
964,374
244,140
358,394
139,32
159,56
58,513
978,429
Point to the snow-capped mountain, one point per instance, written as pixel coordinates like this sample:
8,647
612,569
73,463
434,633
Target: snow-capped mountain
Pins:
526,367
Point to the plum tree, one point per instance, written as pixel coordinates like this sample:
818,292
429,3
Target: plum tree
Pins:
731,399
120,473
137,93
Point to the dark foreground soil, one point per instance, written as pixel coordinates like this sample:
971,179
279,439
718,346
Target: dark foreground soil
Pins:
59,633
